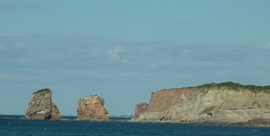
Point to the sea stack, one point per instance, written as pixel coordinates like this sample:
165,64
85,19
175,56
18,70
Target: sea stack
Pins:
41,106
140,108
91,108
226,102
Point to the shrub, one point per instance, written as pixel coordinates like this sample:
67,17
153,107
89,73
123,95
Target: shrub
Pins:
42,90
209,109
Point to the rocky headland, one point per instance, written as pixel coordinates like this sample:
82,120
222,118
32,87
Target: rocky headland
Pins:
91,108
223,103
41,107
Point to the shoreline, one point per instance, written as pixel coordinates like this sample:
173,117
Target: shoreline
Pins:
246,124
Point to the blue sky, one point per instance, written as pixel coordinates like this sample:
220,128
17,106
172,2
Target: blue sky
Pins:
125,50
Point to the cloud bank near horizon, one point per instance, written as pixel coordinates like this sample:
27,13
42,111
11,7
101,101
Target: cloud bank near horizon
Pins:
79,66
85,55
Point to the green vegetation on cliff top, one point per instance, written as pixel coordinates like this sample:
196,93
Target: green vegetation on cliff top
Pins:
236,86
42,90
230,85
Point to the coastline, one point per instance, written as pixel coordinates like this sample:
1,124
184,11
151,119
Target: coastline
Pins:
73,118
248,124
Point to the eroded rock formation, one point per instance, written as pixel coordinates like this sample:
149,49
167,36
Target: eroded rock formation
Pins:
219,103
41,106
140,108
91,108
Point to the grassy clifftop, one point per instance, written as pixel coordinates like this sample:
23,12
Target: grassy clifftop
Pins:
42,90
236,86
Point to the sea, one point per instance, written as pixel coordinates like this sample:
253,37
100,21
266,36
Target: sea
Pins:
17,127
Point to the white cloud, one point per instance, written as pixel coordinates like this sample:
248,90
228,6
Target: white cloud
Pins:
267,47
153,65
114,53
91,41
94,52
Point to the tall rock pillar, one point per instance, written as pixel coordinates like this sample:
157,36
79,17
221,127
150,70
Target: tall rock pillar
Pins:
41,106
140,108
91,108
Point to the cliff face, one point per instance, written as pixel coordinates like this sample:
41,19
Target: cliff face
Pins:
231,103
41,106
140,108
91,108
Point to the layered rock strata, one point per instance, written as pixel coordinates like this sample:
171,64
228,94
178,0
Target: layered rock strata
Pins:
41,107
219,103
92,108
140,108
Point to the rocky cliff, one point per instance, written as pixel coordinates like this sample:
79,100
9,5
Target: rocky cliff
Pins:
140,108
226,102
91,108
41,106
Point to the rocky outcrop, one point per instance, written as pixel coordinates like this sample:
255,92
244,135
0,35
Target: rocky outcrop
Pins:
219,103
140,108
41,106
91,108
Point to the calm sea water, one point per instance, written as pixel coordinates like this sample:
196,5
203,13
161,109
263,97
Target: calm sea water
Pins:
84,128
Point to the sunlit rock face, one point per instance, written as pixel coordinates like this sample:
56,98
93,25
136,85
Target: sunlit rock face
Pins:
91,108
41,106
220,103
140,108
